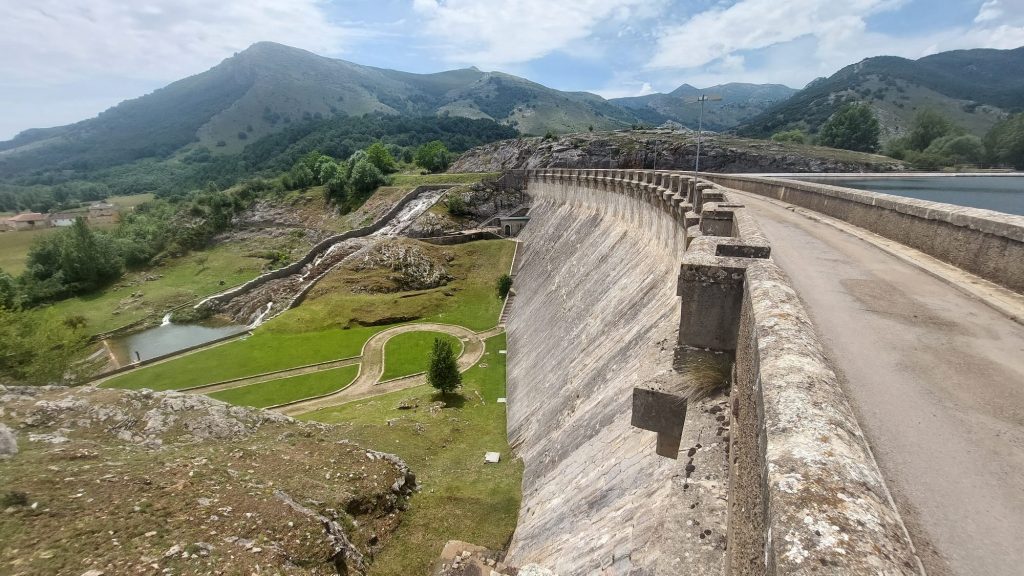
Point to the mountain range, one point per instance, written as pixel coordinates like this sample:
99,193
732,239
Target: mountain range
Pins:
973,88
269,89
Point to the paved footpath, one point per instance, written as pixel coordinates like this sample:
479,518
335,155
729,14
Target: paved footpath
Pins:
937,379
367,383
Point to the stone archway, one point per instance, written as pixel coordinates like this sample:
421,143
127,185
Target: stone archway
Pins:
508,230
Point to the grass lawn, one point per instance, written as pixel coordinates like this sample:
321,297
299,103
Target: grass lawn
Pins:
14,245
409,353
284,390
327,325
462,498
264,351
181,280
14,248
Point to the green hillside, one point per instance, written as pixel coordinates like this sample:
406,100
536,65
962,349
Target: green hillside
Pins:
739,103
973,88
269,88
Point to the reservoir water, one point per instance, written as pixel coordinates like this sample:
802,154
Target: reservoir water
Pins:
165,339
999,193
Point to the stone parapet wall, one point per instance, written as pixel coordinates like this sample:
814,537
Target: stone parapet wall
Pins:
986,243
773,478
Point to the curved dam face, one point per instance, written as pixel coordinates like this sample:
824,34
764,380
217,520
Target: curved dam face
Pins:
596,313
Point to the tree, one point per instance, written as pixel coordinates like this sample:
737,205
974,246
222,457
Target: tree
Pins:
8,290
366,177
432,156
853,127
443,373
1004,143
38,348
928,125
957,149
504,286
379,156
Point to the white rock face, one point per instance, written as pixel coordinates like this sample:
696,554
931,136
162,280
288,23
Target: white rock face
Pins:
596,313
8,442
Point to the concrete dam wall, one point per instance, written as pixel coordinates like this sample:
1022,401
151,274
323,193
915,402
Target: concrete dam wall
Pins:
770,475
595,315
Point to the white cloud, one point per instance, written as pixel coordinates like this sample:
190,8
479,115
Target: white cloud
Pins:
990,10
758,24
55,41
498,33
799,40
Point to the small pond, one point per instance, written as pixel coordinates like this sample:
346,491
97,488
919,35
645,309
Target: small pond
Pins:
166,338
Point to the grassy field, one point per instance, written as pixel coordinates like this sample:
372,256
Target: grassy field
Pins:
14,248
14,245
264,351
276,392
173,283
331,324
462,498
409,353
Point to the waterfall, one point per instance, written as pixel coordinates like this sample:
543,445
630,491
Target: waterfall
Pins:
261,316
166,320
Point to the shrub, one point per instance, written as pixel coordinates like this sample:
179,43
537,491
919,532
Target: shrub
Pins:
433,156
793,136
504,286
457,205
853,127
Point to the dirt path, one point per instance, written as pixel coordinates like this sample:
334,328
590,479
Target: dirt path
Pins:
371,367
937,379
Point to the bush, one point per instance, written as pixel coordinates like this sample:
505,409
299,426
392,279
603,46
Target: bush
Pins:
456,205
380,157
366,177
955,150
433,156
928,126
853,127
504,286
793,136
1004,143
443,372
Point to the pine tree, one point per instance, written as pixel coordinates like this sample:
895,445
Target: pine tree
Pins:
443,372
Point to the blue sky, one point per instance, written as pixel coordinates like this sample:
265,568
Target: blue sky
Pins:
64,62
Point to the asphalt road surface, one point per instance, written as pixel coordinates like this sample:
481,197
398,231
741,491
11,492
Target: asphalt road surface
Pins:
937,380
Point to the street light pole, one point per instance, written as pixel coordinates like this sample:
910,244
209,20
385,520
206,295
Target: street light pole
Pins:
700,127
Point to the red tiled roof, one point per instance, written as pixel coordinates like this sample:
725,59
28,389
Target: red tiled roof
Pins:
28,217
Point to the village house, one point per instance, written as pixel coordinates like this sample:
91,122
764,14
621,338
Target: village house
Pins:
27,221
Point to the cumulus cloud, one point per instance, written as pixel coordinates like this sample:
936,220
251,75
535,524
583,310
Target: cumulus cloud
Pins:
757,24
54,41
797,40
990,11
497,33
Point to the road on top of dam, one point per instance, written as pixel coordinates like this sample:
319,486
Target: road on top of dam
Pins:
937,380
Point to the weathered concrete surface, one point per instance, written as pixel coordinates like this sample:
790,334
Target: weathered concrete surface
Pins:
935,378
597,314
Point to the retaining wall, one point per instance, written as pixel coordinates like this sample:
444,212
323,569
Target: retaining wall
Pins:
776,478
987,243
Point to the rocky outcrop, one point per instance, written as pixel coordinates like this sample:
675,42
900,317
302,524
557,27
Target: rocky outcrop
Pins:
123,482
666,150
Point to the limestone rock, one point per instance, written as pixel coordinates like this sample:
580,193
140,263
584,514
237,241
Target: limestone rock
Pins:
8,442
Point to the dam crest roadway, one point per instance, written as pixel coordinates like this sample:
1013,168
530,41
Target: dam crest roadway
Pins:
875,419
